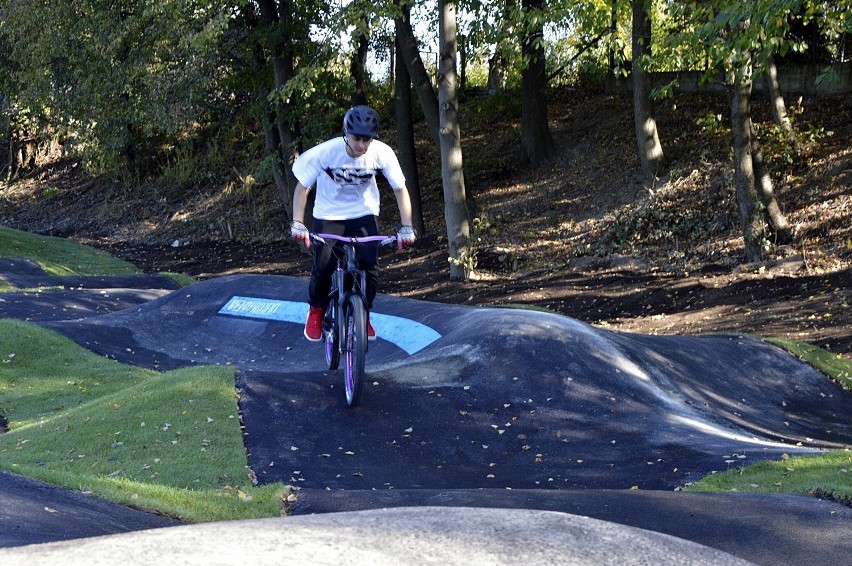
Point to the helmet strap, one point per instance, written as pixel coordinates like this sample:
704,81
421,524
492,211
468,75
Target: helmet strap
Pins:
349,148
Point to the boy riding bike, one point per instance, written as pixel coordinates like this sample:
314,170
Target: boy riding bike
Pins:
347,204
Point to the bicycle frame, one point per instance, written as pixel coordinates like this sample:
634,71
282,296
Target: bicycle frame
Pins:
345,320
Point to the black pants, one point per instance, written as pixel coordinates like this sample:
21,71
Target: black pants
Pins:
325,260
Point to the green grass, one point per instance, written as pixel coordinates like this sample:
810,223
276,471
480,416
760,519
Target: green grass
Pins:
165,442
180,278
58,256
828,476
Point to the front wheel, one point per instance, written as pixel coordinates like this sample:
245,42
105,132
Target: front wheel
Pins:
331,336
355,349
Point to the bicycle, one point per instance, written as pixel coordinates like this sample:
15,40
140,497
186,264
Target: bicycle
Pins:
344,327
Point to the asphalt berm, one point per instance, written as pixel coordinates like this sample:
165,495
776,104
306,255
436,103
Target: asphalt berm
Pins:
484,435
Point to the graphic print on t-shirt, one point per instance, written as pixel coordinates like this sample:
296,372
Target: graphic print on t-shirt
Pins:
351,177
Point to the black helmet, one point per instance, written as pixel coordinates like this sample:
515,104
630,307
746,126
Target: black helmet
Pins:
361,121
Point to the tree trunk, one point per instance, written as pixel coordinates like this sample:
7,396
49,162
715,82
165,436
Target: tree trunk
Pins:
463,54
452,172
498,67
405,141
410,55
128,150
777,105
751,217
272,144
358,67
612,80
6,119
647,138
763,183
281,48
497,75
536,139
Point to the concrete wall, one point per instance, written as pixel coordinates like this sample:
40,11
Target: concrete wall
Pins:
794,80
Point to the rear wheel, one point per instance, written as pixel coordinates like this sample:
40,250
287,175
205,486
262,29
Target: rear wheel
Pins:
331,336
355,350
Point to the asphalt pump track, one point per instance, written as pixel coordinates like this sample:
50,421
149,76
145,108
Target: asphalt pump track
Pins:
470,408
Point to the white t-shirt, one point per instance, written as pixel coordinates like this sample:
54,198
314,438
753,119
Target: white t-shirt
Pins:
346,186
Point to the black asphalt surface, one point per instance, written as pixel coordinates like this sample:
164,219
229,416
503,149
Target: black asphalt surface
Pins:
508,408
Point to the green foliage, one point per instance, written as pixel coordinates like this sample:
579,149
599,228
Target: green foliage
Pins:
181,167
788,150
317,99
109,78
146,85
476,75
666,90
730,35
710,122
500,107
469,250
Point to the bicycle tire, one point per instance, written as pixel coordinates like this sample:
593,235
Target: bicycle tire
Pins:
355,351
331,336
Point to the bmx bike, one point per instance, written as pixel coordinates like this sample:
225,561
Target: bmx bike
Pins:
344,325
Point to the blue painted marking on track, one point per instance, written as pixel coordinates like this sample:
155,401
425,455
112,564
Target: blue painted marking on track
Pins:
407,334
269,309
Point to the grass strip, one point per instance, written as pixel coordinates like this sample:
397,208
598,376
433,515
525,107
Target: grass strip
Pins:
827,476
164,442
60,256
832,365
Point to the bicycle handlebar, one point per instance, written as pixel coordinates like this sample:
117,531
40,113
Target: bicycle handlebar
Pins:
383,240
